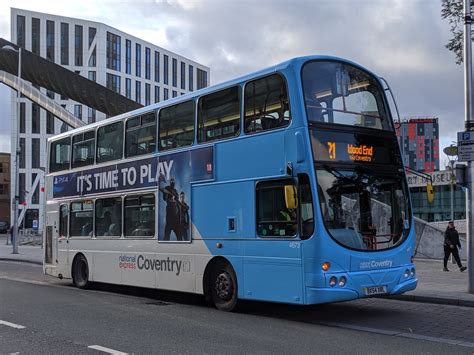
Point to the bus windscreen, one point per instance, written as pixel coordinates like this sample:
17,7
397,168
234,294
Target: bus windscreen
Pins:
339,93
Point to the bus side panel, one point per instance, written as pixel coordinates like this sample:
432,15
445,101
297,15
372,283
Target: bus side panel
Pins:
273,271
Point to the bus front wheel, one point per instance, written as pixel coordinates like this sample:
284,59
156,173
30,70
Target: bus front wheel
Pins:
223,287
80,272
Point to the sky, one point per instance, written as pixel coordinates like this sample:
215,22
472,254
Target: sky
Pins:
400,40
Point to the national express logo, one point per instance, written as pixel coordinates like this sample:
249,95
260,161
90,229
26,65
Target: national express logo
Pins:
375,264
141,262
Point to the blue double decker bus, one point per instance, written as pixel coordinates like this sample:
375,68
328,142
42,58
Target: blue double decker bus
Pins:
285,185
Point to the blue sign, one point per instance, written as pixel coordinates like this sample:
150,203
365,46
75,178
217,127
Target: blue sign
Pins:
194,165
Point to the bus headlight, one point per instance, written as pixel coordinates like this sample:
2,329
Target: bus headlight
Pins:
412,272
407,273
333,281
342,281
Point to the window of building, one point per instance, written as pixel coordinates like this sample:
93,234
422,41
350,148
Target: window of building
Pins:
176,126
78,111
139,216
113,51
266,104
49,123
20,31
35,36
140,135
128,88
22,187
60,154
147,63
81,219
191,78
83,149
35,118
63,221
92,33
22,117
108,217
35,193
110,142
165,69
128,56
64,43
50,94
138,59
174,93
201,79
165,94
183,76
50,40
91,115
273,218
113,82
93,58
219,115
175,72
92,75
147,94
138,92
78,46
157,66
35,152
21,162
157,94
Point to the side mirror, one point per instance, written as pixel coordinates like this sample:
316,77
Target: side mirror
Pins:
291,197
429,192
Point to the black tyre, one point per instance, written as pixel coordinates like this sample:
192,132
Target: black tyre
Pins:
223,287
80,272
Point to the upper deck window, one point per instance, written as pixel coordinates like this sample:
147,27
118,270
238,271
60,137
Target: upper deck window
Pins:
342,94
83,148
140,135
219,115
177,126
60,155
110,142
266,104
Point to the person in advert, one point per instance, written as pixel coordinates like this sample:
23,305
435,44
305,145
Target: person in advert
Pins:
183,216
170,196
451,244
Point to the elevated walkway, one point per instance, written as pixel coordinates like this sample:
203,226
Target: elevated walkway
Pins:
27,90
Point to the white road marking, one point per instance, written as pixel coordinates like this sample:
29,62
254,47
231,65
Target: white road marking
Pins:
13,325
106,350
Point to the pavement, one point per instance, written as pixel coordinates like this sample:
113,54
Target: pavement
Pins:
434,285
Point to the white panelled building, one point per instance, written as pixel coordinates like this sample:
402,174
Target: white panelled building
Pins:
126,64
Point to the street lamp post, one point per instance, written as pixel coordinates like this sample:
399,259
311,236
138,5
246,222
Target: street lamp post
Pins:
17,152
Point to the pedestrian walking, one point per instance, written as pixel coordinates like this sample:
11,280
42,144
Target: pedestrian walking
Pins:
451,245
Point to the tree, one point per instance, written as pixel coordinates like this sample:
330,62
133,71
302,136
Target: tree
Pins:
453,11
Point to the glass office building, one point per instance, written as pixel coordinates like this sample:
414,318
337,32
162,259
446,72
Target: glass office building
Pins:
126,64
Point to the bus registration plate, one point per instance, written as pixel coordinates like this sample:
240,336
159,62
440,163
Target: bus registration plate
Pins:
375,290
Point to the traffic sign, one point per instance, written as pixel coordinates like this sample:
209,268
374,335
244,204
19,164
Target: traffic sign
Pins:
465,138
466,152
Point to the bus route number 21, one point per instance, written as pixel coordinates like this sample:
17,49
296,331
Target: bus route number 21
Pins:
332,150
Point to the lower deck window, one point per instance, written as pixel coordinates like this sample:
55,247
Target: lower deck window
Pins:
139,216
108,217
273,218
81,219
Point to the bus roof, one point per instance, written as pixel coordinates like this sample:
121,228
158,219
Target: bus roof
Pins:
294,62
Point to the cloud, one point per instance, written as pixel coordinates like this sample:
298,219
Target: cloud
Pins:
400,40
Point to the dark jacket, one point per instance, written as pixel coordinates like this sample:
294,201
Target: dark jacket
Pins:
451,237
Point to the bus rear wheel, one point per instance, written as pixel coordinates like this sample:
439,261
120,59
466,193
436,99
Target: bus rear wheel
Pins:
223,287
80,272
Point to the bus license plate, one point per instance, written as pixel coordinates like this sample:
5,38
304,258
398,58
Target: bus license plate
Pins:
375,290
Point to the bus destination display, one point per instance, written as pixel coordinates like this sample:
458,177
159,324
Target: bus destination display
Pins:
351,147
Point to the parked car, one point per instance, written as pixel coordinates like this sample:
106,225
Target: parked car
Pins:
4,227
